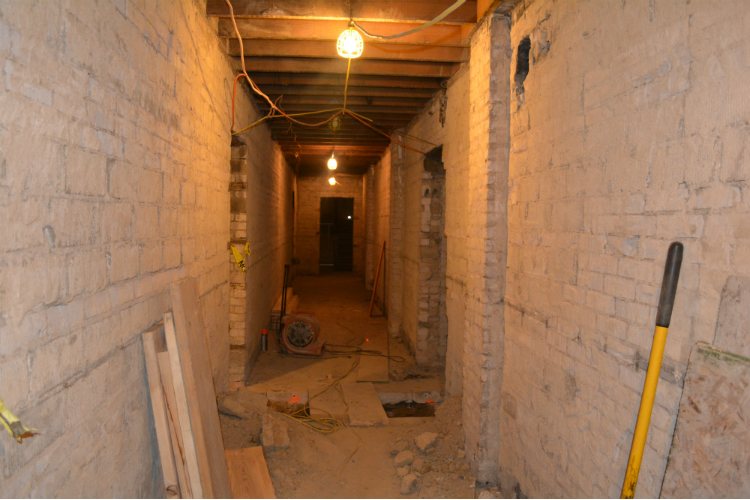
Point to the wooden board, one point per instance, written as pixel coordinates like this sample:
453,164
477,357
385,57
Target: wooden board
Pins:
183,412
161,421
248,473
326,402
199,388
365,408
711,445
374,368
175,431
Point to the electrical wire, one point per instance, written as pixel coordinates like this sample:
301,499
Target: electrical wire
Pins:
411,31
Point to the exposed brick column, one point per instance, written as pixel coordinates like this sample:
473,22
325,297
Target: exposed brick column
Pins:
489,97
238,237
395,245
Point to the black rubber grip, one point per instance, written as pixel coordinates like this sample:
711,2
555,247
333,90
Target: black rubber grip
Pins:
669,284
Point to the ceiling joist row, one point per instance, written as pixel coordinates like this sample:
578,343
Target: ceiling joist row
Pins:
290,53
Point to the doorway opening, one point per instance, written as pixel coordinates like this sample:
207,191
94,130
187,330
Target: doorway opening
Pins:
336,235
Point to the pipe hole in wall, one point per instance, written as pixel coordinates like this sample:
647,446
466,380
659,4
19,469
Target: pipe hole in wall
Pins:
522,64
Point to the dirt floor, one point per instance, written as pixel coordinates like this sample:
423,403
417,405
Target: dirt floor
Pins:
356,462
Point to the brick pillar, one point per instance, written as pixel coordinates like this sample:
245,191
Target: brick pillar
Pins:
489,96
238,237
395,245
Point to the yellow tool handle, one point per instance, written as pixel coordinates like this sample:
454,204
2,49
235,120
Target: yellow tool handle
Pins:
663,318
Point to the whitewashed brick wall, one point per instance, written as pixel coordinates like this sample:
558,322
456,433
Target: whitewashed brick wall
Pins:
114,167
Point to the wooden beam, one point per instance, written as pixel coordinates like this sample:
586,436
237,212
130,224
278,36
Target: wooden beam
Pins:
359,67
363,110
319,29
372,50
342,149
321,90
382,10
276,78
337,101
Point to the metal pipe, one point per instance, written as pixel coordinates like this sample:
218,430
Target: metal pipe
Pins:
663,318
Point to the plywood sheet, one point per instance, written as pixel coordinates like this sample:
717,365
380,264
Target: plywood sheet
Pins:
248,473
733,324
711,446
199,388
365,408
374,368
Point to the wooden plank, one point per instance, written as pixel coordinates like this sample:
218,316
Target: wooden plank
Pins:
374,368
392,10
711,445
175,431
248,473
326,402
199,388
159,407
388,81
372,50
183,411
322,29
359,67
365,408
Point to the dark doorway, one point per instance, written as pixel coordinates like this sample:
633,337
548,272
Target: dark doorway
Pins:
336,234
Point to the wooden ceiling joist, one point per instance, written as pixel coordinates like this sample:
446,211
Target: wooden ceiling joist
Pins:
321,29
320,90
361,67
337,80
381,10
327,49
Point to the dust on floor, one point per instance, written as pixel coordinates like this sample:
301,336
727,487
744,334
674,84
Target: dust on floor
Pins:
359,462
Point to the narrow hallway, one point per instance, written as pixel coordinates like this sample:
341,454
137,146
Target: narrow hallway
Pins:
353,462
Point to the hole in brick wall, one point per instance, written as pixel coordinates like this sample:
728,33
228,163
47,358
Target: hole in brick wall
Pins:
433,161
522,64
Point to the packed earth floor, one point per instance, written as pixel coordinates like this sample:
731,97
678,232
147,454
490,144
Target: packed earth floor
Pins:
354,462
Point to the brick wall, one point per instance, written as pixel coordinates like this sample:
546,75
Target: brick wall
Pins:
307,244
114,173
632,132
377,205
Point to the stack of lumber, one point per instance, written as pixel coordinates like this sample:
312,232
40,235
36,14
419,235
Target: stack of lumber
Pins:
186,418
292,302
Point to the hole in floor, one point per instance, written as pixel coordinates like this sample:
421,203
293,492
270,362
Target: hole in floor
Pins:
398,410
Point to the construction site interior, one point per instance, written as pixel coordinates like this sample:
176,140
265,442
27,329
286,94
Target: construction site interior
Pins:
375,248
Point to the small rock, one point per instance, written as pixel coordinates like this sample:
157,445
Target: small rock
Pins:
461,454
275,434
486,494
452,467
229,406
402,471
426,468
426,440
252,401
409,484
418,464
404,458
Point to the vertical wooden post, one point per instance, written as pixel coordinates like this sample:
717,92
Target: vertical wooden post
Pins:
377,278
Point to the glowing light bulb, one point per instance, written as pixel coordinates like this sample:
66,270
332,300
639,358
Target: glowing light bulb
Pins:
350,44
332,181
332,164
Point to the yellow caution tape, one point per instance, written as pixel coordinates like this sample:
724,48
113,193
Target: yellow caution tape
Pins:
14,426
241,258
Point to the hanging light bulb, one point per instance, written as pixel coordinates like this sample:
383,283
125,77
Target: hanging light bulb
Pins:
332,181
332,164
350,44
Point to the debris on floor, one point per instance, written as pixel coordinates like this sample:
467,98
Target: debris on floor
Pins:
275,433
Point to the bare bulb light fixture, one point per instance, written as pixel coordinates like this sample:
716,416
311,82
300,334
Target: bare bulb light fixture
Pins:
332,164
349,44
332,181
